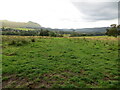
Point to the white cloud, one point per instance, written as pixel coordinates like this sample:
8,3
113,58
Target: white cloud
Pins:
48,13
95,0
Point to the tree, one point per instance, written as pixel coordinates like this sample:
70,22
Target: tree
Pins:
44,32
52,34
113,25
113,30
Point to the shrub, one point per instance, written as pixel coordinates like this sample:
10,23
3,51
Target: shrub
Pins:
33,40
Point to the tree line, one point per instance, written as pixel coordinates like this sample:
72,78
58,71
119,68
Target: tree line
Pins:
37,32
113,30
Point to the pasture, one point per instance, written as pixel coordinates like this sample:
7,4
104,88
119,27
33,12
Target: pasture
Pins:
59,62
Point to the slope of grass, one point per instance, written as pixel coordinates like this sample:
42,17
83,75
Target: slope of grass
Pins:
12,24
26,29
43,62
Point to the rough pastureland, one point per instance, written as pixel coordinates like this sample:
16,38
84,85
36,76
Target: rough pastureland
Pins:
47,62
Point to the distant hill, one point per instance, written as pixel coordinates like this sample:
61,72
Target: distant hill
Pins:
30,24
91,30
84,30
11,24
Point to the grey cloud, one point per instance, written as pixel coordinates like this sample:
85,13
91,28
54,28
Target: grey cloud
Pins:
98,10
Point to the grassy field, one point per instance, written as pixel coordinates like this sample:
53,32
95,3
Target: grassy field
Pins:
46,62
25,29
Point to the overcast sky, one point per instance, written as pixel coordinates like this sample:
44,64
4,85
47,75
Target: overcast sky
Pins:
61,13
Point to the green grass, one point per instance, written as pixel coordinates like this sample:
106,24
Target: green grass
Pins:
26,29
59,62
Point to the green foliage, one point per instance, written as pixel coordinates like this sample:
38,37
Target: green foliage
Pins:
52,34
77,34
113,30
44,32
